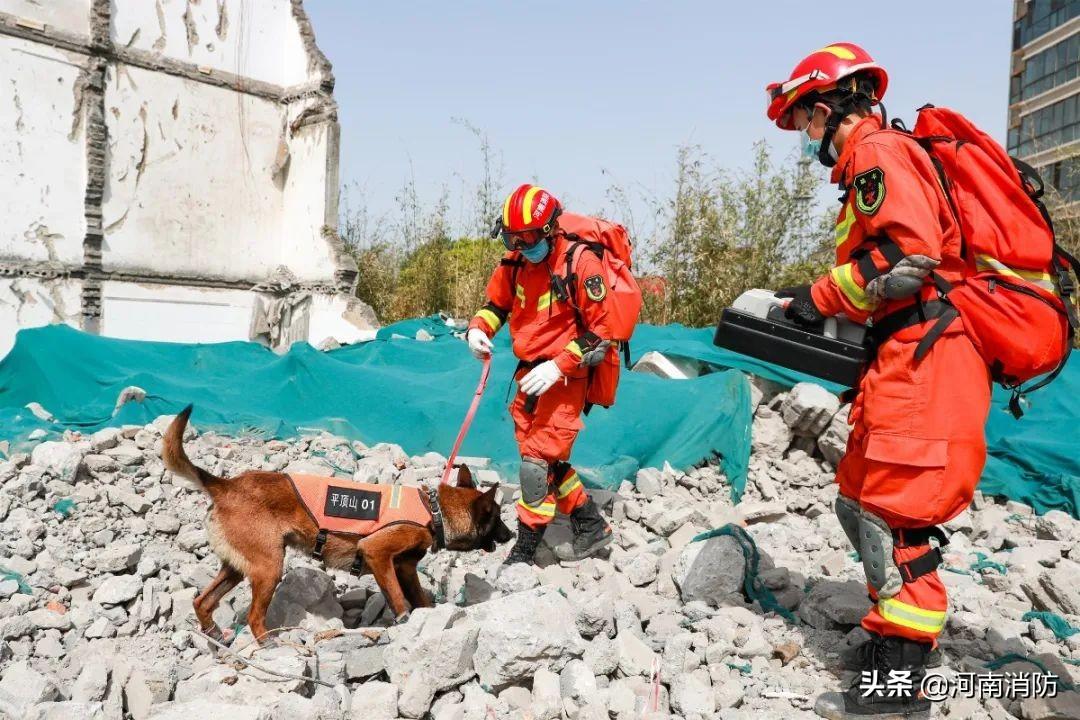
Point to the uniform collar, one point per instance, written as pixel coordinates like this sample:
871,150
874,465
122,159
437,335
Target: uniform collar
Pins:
870,123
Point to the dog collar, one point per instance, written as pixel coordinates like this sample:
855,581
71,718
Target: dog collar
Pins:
436,518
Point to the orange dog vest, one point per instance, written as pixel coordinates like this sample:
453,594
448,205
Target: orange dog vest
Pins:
352,508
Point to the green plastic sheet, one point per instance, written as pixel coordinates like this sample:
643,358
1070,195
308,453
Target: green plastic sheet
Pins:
1057,624
1036,459
392,389
753,587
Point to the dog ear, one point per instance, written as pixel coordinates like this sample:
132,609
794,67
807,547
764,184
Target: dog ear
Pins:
465,478
486,501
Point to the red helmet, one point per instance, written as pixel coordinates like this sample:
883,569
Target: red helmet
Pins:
820,71
530,208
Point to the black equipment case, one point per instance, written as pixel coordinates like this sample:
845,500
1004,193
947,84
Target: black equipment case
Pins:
777,340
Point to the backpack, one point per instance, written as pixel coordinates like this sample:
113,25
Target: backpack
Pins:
611,243
1016,298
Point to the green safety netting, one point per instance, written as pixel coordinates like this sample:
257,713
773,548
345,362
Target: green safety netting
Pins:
398,389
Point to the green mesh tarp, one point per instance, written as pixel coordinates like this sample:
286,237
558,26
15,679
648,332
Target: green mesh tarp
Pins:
392,389
414,393
1036,459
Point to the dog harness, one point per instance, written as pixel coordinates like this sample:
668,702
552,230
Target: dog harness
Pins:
344,507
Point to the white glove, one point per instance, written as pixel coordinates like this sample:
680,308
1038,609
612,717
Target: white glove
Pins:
479,343
540,379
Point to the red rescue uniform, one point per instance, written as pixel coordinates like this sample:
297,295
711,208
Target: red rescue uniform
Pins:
544,326
917,445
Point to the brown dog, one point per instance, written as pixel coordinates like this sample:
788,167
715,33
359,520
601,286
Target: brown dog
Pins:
256,515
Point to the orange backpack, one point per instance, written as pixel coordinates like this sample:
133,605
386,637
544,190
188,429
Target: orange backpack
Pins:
1016,299
611,243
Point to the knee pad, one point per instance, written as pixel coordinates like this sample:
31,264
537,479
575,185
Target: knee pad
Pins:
876,549
847,512
559,470
533,477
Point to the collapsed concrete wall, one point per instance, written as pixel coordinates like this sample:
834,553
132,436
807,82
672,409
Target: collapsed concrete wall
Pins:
172,173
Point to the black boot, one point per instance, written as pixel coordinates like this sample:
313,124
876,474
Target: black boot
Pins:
855,657
896,697
591,532
524,550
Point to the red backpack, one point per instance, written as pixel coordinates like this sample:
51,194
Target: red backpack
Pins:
1016,300
612,243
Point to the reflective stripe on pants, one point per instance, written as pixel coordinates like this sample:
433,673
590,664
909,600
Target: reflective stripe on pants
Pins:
538,515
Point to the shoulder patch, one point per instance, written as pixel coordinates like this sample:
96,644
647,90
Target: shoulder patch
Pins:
869,190
595,288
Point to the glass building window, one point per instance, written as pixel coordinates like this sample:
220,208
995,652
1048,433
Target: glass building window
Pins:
1043,16
1046,70
1064,176
1049,127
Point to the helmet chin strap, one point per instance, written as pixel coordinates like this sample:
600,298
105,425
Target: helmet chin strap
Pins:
837,113
832,124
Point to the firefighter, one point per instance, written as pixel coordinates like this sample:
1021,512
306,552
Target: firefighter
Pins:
556,324
916,448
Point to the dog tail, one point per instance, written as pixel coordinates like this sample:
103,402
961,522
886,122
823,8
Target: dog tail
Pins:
176,460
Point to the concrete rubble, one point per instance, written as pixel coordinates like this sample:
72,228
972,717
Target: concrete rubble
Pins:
659,627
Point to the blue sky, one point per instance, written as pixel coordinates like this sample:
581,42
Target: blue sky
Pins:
582,94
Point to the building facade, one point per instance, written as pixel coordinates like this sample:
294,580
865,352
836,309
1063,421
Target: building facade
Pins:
1044,92
170,172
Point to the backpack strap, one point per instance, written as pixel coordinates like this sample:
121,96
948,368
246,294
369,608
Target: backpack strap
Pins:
516,263
571,283
1032,180
1062,261
1018,393
889,250
570,279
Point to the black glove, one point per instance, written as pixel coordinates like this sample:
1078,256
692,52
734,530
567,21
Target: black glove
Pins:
801,309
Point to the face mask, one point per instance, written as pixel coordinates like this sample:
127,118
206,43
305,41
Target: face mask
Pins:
812,148
537,252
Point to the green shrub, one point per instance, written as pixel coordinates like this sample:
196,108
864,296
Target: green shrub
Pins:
720,234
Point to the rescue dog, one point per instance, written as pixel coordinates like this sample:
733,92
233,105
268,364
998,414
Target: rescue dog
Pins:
256,515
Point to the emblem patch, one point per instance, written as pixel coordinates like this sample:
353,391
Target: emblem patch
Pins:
869,190
594,288
351,503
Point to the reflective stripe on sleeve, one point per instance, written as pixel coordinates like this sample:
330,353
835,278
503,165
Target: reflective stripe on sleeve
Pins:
490,318
845,280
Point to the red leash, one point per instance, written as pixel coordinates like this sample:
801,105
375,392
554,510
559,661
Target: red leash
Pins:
468,419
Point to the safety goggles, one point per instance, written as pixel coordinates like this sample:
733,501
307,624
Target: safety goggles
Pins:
775,90
520,240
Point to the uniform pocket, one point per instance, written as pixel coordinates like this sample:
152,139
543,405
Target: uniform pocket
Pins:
905,477
903,450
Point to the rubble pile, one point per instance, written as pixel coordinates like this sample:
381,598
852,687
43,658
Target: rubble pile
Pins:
102,552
